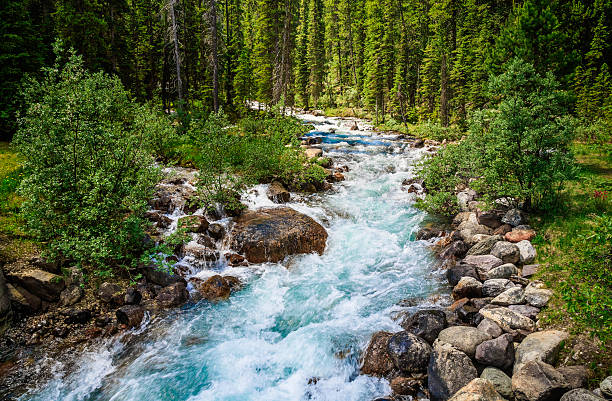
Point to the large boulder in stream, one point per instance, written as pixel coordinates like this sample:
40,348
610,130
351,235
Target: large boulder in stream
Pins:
270,234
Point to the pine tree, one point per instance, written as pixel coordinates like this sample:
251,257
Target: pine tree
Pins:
316,49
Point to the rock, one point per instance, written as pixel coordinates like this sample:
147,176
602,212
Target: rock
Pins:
483,263
465,311
490,328
606,387
525,310
506,251
502,230
538,381
6,311
537,297
477,390
193,224
470,227
576,376
495,286
464,338
465,197
507,319
480,303
132,296
464,216
107,291
427,233
455,273
71,295
518,235
130,315
216,230
376,360
498,352
489,219
406,386
467,287
277,193
541,346
23,301
269,235
527,252
313,153
173,295
455,250
484,246
426,324
448,371
233,259
160,276
529,270
45,285
354,127
500,380
206,241
409,353
512,296
200,252
78,316
215,288
514,217
504,271
581,394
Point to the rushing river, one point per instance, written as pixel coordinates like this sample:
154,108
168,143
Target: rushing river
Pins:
296,330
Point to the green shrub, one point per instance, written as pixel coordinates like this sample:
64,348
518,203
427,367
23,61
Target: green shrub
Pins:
434,130
88,174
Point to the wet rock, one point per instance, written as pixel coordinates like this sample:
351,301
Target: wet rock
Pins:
467,287
483,263
498,352
540,346
500,380
234,259
78,316
130,315
205,241
418,143
507,319
215,288
161,220
495,286
484,246
448,371
193,224
376,360
406,386
157,275
464,338
108,291
269,235
173,295
518,235
409,353
477,390
44,285
427,233
506,251
23,301
489,219
527,252
132,296
538,381
455,250
581,394
426,324
277,193
606,387
71,295
490,328
512,296
455,273
504,271
529,270
163,202
576,376
216,230
514,217
536,296
200,252
6,312
525,310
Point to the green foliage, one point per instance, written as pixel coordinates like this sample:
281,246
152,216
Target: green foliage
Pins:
88,174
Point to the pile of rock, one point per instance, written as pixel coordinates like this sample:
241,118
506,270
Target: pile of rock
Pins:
486,345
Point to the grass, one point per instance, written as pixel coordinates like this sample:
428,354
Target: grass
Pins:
575,250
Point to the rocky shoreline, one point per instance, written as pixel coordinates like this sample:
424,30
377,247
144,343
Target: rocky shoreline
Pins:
488,344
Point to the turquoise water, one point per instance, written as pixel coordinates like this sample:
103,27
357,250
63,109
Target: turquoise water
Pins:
296,330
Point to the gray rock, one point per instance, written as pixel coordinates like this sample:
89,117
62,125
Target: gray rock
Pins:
448,371
529,270
500,380
495,286
538,381
507,319
467,287
455,273
527,252
606,387
490,219
465,197
581,394
503,271
491,328
512,296
477,390
541,346
576,376
464,338
45,285
107,290
426,324
409,353
506,251
484,246
6,312
216,230
470,227
498,352
159,276
536,296
71,295
513,217
483,263
525,310
22,301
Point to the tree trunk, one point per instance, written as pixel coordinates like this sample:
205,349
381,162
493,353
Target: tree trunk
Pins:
444,92
177,57
215,53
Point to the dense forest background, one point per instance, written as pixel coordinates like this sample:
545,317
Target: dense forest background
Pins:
406,60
